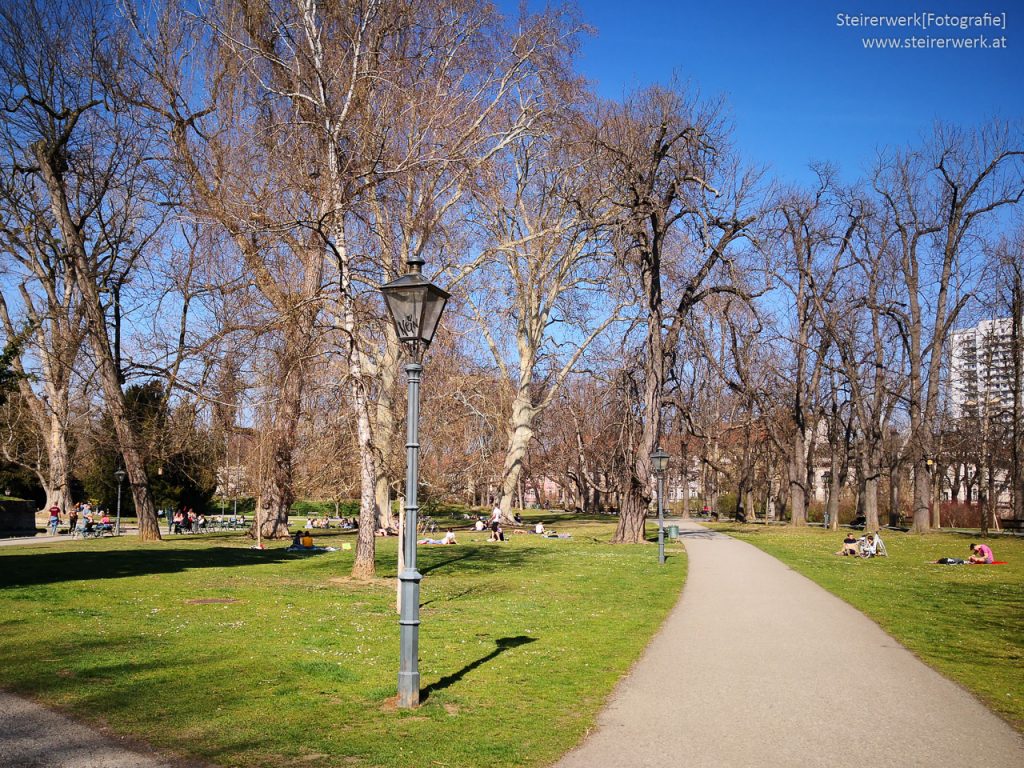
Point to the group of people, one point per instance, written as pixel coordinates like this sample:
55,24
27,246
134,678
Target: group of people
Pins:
981,554
81,520
186,520
325,522
868,545
493,524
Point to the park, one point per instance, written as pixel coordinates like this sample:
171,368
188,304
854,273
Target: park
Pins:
470,383
204,648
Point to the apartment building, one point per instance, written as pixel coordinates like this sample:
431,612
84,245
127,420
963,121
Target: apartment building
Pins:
981,369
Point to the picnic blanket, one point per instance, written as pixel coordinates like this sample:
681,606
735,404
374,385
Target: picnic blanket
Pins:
310,550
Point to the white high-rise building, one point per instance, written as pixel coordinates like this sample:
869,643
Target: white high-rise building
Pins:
981,369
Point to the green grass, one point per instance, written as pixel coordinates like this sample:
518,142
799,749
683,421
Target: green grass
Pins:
520,644
966,621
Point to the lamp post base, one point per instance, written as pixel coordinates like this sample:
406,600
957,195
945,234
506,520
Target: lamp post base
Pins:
408,690
409,640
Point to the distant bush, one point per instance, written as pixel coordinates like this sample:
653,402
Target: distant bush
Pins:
727,504
310,508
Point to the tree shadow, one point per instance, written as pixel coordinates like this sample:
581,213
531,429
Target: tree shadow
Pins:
702,534
503,644
463,555
39,568
472,558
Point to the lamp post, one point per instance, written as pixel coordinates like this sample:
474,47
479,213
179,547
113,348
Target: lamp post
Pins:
120,475
415,306
659,463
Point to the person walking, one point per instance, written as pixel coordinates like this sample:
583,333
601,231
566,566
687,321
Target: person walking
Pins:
54,519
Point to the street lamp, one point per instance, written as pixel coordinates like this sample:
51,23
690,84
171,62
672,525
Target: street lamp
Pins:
415,306
120,475
659,463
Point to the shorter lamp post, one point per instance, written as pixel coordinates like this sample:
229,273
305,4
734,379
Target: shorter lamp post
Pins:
659,463
120,475
415,306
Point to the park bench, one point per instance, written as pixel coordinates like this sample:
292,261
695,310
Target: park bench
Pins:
1012,526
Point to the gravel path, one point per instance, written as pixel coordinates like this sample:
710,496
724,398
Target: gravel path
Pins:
758,666
32,736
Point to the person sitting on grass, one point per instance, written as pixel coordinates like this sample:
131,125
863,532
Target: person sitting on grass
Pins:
981,554
539,528
849,546
297,540
867,545
307,540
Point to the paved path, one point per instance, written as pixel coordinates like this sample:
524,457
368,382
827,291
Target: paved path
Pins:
758,666
34,737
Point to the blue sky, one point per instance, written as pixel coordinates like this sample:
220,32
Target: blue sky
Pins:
798,86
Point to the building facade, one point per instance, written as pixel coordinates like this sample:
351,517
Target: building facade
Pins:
981,369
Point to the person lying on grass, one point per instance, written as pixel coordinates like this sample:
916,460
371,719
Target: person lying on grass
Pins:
449,538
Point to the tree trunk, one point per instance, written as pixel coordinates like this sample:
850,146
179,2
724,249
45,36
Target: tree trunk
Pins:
835,487
384,428
870,470
895,501
520,435
58,487
922,497
632,517
382,500
364,566
797,480
85,278
277,493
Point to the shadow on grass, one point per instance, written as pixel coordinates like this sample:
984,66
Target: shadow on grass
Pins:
477,558
463,555
503,644
40,568
701,534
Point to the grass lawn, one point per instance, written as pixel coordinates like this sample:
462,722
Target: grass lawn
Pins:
966,621
206,648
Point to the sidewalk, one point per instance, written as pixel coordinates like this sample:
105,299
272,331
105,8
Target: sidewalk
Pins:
758,666
36,737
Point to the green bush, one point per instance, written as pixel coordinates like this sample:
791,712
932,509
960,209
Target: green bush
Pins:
727,504
310,508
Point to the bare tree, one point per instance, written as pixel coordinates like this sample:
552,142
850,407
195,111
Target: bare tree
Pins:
938,200
682,204
812,244
1008,256
88,151
48,305
544,293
